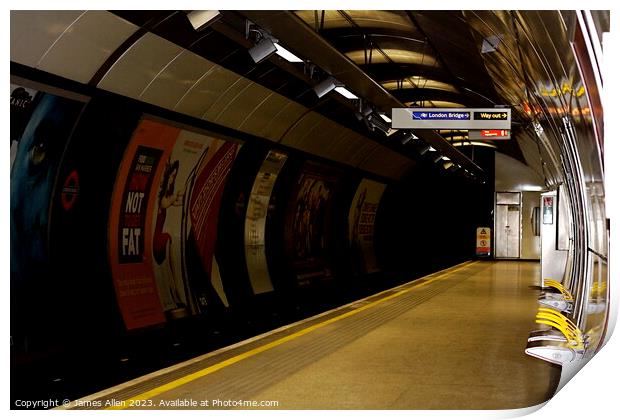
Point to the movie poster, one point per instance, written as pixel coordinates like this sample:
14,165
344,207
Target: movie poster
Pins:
169,259
309,223
38,139
38,152
362,217
22,105
256,219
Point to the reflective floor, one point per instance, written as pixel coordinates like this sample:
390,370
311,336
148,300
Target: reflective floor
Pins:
453,340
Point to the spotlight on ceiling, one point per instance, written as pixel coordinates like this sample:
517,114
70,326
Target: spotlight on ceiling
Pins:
326,86
437,158
201,19
423,149
262,50
407,138
377,122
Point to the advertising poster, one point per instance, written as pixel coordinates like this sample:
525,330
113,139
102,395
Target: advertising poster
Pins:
164,227
37,150
22,105
169,219
256,219
206,191
130,239
362,217
308,225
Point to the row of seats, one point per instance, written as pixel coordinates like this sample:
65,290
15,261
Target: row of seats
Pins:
563,342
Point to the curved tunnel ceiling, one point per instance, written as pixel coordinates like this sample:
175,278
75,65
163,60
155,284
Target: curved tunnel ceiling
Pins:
406,57
412,55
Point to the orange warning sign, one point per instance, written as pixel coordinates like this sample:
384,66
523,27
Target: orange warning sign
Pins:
483,241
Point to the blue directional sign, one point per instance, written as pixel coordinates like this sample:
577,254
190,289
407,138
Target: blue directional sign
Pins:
451,118
425,115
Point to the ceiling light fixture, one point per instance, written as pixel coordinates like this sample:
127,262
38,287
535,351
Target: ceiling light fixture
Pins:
287,55
262,50
407,138
423,149
326,86
345,92
385,118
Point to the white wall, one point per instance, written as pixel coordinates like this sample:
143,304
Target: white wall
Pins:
512,175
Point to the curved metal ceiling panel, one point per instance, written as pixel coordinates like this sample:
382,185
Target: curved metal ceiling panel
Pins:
263,113
237,110
529,149
134,71
159,72
386,162
201,96
351,148
282,121
364,18
228,94
34,32
319,139
300,129
172,84
93,37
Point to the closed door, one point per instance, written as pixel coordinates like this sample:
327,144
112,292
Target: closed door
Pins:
507,231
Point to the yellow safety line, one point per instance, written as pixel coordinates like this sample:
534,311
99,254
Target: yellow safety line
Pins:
214,368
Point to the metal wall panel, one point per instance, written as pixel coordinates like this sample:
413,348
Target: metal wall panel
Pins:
139,66
227,94
201,96
236,112
159,72
84,46
282,121
387,163
263,113
319,138
178,77
294,137
33,32
357,149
